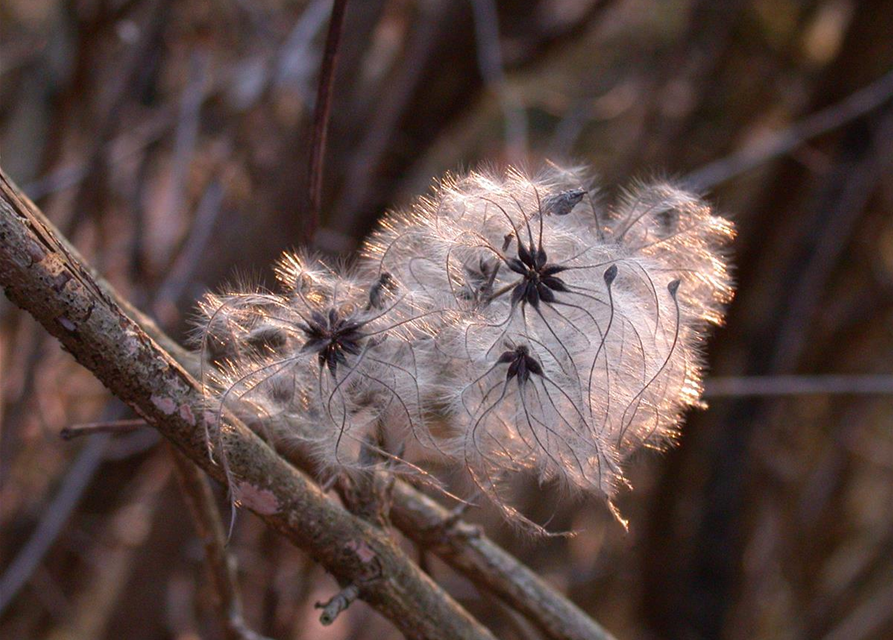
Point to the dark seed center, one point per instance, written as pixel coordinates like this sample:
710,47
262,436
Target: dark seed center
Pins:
539,278
521,364
332,337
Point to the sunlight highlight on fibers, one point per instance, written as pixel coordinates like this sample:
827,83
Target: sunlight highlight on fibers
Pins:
537,331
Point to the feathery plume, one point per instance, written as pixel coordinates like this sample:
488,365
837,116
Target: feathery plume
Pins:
543,333
330,362
576,339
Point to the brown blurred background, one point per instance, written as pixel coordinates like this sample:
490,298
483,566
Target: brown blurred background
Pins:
169,141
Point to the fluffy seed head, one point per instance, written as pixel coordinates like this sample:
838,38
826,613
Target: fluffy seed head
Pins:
542,332
329,361
578,335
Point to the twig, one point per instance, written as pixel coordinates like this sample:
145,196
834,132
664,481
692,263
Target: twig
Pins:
764,149
798,385
220,563
472,554
91,428
321,114
41,274
337,603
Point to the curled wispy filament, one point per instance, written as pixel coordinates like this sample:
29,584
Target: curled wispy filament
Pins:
535,330
608,308
330,362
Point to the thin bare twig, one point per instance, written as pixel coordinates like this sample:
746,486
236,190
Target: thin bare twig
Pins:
321,115
798,385
92,428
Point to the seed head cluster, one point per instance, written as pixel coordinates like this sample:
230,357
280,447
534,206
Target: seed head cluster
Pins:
505,324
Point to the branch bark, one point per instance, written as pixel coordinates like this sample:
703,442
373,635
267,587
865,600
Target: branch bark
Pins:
43,276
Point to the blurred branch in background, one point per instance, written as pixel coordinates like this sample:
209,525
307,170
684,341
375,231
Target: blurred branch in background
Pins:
486,29
322,110
90,458
805,220
18,572
771,146
793,385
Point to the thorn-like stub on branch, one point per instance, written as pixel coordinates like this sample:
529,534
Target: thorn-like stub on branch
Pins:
90,428
338,603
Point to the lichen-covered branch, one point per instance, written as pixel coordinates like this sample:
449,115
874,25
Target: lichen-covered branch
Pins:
42,275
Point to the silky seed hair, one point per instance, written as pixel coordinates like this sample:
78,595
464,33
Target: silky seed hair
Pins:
505,324
577,335
329,361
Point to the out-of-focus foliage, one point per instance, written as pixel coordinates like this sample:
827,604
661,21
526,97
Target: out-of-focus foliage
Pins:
169,141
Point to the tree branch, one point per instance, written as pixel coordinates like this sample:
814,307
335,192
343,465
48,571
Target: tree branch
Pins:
468,551
422,519
43,276
109,426
771,146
